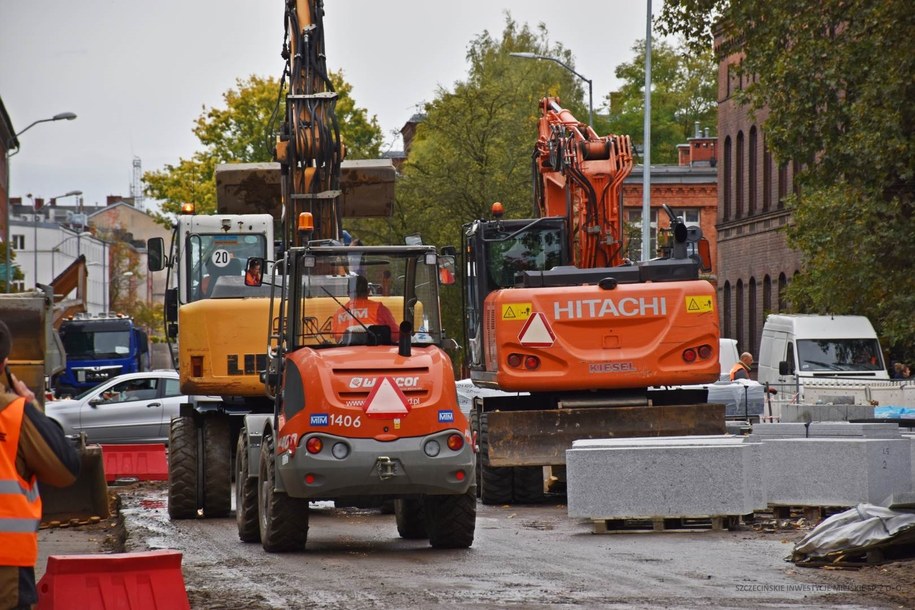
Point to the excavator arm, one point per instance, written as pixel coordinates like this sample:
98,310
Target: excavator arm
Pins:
309,148
578,176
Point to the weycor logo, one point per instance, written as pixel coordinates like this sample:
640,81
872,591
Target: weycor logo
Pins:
370,382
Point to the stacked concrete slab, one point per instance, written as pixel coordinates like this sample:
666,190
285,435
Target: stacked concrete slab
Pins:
669,477
833,463
825,412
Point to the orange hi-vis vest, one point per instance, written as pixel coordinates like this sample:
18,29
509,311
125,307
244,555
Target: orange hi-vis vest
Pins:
740,366
20,504
364,309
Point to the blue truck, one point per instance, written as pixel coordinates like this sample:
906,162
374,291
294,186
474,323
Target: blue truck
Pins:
99,347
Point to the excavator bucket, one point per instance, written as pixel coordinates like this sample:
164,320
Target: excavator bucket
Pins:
86,498
366,186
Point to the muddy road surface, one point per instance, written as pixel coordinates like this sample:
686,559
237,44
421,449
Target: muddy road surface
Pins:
522,557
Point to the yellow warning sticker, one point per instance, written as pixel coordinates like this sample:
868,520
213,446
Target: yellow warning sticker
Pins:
517,311
699,304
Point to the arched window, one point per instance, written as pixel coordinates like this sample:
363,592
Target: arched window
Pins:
782,184
739,178
752,172
739,308
751,316
726,307
728,177
782,297
767,177
795,170
767,295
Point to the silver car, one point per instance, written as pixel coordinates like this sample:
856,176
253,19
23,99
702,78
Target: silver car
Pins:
131,408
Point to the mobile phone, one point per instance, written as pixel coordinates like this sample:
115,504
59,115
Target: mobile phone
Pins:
9,380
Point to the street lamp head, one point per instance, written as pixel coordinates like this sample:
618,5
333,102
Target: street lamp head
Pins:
64,116
525,54
73,194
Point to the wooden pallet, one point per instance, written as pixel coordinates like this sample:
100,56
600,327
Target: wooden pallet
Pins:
665,524
813,514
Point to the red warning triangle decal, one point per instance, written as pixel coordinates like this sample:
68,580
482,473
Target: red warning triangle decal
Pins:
386,401
537,332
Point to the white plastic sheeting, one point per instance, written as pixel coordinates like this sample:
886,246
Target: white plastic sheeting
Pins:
855,530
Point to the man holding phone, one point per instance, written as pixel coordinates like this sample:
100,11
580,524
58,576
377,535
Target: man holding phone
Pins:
32,449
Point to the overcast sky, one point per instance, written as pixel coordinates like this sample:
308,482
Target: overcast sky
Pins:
138,74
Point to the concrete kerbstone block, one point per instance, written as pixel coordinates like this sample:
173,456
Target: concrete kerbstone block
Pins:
825,412
664,477
778,430
835,471
830,429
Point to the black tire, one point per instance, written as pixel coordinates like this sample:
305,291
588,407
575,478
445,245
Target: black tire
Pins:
496,484
217,467
182,469
410,515
451,520
245,494
528,485
283,521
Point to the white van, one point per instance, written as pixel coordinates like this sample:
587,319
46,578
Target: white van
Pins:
798,348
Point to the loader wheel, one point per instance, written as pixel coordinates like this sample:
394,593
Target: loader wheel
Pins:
217,467
182,468
411,518
528,483
495,483
283,521
245,494
451,520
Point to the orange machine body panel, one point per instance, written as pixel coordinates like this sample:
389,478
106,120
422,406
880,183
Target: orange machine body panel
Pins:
633,336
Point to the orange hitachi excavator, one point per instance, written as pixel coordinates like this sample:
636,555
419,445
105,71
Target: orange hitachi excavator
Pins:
582,343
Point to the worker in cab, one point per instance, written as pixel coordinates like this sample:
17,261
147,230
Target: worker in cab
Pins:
361,312
32,449
741,370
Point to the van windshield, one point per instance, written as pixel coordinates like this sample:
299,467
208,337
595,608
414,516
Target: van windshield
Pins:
839,355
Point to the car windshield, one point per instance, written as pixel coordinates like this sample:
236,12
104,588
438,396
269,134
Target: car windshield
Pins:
839,355
216,264
342,293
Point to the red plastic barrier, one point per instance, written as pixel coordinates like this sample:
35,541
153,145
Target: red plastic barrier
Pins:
145,462
125,581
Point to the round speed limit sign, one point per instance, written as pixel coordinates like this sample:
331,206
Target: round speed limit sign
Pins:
220,258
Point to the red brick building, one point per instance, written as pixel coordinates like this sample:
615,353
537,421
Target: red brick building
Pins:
754,261
689,188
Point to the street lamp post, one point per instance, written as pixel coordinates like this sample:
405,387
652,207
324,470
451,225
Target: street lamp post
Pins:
14,142
646,157
569,68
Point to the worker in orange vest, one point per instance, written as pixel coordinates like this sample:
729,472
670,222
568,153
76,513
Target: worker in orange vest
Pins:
32,448
362,309
741,370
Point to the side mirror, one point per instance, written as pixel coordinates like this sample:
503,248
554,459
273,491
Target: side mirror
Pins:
155,254
254,274
446,269
784,368
95,402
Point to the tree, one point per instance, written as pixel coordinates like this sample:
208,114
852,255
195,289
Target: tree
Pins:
836,78
243,132
683,92
474,146
15,273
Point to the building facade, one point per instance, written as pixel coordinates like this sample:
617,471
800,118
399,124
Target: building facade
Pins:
755,264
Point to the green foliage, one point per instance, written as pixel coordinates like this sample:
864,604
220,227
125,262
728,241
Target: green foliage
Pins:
836,78
242,132
683,92
474,146
15,273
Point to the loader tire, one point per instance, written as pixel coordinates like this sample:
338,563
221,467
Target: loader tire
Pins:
182,469
495,483
410,515
451,520
217,467
528,484
283,521
245,494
